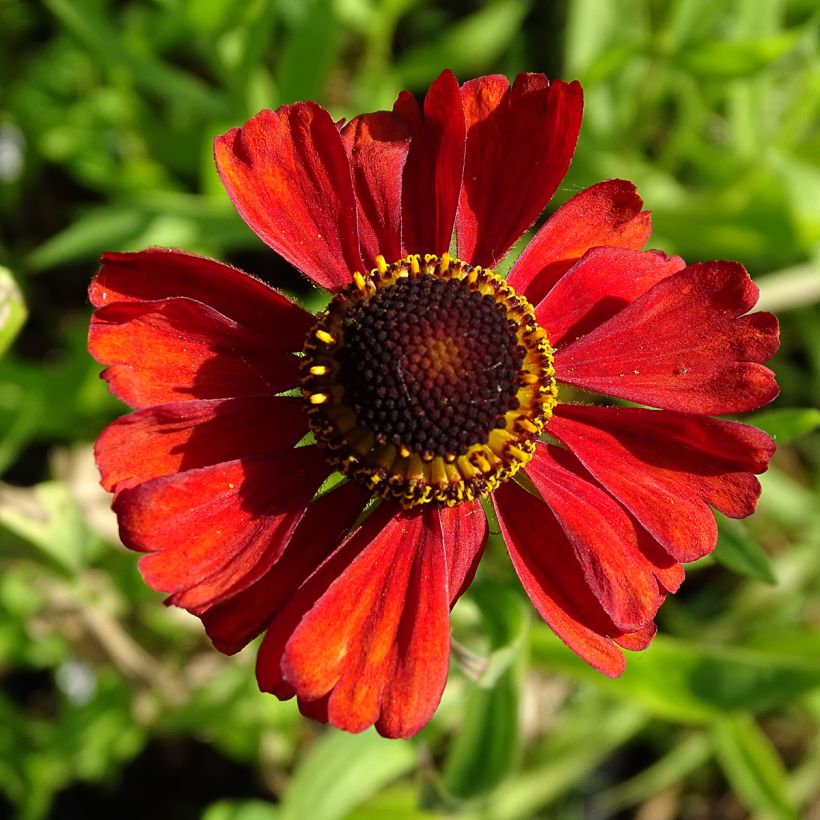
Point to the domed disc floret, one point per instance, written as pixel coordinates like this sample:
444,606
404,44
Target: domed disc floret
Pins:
428,380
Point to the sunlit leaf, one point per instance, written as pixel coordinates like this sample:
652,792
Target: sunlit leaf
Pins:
47,517
242,810
396,803
12,310
342,771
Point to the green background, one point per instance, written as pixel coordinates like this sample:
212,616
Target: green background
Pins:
112,704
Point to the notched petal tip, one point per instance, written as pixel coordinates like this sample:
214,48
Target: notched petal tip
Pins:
668,468
554,581
520,141
686,344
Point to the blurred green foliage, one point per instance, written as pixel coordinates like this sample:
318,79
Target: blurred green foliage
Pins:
111,703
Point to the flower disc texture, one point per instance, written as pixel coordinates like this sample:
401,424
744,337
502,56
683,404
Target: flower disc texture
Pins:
429,384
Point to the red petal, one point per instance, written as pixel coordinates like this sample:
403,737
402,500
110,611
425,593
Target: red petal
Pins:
377,638
608,213
435,163
520,141
287,174
553,580
602,537
597,287
464,528
377,146
178,349
158,273
667,468
681,346
240,618
314,709
186,435
636,641
208,528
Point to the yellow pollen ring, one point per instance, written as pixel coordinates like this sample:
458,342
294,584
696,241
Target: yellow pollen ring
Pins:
393,470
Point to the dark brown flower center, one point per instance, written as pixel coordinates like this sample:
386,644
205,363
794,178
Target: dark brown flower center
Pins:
428,380
430,364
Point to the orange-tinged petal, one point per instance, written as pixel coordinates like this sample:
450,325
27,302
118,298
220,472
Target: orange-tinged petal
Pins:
206,528
287,173
376,640
237,620
186,435
553,580
179,349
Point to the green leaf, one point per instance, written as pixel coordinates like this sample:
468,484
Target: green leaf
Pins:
505,617
147,71
753,767
585,734
488,744
802,184
308,54
12,310
738,551
693,683
106,227
170,220
787,424
241,810
734,58
471,44
397,803
341,771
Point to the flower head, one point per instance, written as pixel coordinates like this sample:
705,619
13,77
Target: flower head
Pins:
428,384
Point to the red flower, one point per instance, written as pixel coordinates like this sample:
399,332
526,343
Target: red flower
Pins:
428,382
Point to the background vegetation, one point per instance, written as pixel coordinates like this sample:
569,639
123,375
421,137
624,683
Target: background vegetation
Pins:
110,703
